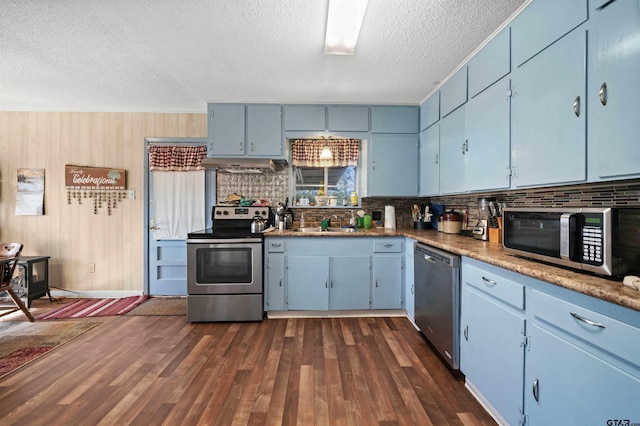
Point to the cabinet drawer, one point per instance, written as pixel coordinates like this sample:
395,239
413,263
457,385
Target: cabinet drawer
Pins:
599,330
495,283
275,246
386,246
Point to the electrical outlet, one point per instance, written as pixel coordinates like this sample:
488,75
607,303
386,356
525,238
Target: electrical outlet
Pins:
132,194
92,267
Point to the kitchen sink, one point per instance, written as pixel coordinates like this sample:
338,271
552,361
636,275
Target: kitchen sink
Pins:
319,229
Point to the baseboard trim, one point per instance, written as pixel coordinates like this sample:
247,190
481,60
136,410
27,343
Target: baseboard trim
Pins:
338,314
93,294
485,404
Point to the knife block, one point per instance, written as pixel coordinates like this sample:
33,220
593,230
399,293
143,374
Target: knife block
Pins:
495,235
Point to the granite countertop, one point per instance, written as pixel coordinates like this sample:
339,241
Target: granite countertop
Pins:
610,290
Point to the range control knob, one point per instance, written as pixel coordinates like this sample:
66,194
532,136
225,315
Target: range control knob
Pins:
218,212
264,213
225,212
257,213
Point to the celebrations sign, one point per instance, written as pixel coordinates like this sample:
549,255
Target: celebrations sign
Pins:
94,178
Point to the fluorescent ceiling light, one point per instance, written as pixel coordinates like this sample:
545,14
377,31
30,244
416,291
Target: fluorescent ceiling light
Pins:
343,26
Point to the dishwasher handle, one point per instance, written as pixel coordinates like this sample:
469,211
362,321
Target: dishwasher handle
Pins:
434,255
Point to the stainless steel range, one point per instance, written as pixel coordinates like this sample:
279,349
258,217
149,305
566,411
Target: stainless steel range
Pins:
224,267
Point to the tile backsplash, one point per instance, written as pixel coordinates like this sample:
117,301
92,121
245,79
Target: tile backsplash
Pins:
273,186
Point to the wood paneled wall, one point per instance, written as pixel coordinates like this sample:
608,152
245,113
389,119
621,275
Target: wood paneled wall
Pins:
70,233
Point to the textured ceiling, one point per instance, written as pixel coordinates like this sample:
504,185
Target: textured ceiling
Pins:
177,55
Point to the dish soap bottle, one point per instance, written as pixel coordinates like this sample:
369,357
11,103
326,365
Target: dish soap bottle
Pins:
354,198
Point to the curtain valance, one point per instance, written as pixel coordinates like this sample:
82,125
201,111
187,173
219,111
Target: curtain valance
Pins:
176,158
306,152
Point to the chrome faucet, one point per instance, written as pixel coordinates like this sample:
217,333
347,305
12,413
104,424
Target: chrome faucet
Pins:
337,218
302,220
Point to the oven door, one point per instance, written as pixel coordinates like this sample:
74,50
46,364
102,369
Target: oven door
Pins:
224,266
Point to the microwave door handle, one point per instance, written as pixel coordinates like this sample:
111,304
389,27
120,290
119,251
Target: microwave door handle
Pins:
565,235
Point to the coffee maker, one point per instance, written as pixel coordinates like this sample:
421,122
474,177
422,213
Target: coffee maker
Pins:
481,229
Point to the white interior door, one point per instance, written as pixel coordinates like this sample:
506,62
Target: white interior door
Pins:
177,204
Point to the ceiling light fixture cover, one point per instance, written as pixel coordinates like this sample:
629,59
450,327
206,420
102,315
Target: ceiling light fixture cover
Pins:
344,21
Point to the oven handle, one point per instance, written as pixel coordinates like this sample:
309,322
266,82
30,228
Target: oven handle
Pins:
224,240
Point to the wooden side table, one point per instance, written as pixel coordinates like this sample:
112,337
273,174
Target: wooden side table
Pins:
36,276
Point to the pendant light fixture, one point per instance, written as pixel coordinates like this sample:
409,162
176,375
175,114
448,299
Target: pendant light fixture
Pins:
326,153
344,21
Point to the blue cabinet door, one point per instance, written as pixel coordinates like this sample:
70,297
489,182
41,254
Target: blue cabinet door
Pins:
452,152
275,300
308,283
548,127
565,384
409,280
614,91
487,156
453,93
226,129
430,111
491,355
490,64
393,165
395,119
542,23
348,118
304,117
264,130
387,282
430,161
350,282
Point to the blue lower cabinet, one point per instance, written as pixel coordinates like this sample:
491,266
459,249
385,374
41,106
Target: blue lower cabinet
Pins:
275,275
308,283
491,336
349,282
387,282
566,384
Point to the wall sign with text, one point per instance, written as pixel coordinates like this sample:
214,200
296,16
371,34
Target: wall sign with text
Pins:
102,185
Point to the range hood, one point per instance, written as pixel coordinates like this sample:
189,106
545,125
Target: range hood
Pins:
244,165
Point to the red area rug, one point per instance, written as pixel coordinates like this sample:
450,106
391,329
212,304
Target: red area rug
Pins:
84,308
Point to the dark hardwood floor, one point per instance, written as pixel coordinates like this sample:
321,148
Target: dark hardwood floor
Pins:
164,370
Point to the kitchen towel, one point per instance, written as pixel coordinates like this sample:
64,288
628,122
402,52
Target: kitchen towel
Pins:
389,217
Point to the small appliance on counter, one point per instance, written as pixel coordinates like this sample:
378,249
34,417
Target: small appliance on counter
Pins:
602,240
451,222
283,217
481,229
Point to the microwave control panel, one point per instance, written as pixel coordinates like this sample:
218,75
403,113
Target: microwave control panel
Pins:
592,239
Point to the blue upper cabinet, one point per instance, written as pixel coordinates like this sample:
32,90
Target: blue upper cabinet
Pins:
348,118
264,130
395,119
490,64
487,153
614,90
430,161
304,117
548,115
453,93
430,111
452,152
225,129
542,23
393,165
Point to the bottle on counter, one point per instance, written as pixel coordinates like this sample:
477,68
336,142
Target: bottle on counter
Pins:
354,198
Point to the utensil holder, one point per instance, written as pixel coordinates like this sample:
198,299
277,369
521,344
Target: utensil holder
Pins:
495,235
422,225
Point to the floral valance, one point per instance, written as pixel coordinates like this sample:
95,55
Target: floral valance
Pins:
306,152
176,158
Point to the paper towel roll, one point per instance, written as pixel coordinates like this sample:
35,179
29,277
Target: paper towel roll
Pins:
389,217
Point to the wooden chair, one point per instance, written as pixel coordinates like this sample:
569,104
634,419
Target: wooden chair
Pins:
9,256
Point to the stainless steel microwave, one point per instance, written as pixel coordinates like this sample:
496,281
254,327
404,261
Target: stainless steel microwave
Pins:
605,241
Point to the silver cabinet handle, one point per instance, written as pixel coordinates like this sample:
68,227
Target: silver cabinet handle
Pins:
387,245
280,281
586,320
373,165
466,333
326,283
576,106
602,94
536,390
488,281
331,283
437,159
413,289
376,282
276,244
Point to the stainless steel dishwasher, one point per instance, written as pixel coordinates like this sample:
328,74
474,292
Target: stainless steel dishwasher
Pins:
437,300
